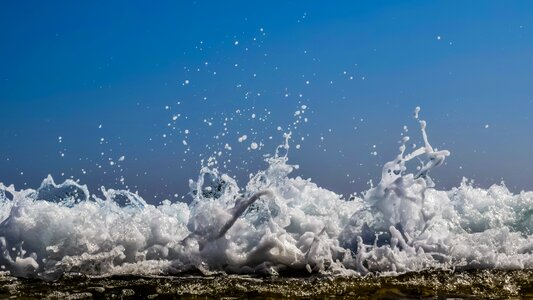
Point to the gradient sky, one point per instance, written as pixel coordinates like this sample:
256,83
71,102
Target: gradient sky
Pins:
360,67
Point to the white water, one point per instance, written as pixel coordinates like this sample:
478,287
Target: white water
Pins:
276,223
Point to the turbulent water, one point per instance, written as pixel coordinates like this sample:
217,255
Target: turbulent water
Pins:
276,224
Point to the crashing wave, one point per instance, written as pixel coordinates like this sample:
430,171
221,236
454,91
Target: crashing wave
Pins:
275,224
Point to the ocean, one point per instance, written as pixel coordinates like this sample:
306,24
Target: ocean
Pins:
277,236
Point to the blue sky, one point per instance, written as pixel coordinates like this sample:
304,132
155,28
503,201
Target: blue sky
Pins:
234,68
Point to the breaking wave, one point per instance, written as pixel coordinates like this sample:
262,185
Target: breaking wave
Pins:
275,224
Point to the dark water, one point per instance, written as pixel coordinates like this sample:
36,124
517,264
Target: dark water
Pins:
420,285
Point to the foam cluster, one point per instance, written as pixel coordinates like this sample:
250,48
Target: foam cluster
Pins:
275,224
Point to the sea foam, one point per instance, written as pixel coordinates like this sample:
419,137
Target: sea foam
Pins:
275,224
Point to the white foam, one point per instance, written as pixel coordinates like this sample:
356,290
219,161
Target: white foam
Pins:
274,223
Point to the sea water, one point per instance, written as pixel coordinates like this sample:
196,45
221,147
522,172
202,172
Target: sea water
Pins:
276,223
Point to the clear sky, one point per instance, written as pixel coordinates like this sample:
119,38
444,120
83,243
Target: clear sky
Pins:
165,84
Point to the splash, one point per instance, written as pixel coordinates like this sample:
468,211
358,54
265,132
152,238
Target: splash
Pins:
275,224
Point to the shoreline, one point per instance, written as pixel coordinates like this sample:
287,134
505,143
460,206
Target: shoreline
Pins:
425,284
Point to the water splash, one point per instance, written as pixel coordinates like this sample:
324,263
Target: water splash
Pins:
276,223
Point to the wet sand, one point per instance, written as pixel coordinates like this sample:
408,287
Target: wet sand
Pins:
418,285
